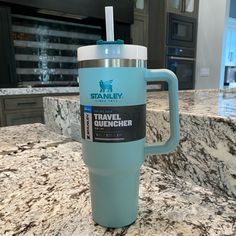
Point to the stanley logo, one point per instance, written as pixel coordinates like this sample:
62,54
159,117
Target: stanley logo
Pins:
105,86
106,91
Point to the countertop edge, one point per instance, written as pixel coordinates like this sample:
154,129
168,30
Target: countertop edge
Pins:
38,91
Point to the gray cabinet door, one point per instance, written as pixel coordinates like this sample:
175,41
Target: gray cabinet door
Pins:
25,117
141,6
174,6
22,110
190,7
23,103
139,30
183,7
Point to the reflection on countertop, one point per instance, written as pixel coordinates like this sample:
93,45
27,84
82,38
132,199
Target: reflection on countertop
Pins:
220,103
213,102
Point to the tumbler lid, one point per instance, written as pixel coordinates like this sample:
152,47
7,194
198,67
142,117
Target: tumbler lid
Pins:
112,51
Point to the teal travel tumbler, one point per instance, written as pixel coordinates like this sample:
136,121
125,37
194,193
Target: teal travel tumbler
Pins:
113,80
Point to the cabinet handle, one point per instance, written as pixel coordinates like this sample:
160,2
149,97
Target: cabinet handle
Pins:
182,58
26,103
230,57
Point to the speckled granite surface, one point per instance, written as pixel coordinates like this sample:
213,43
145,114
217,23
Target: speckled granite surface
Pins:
207,151
62,115
206,154
44,191
44,90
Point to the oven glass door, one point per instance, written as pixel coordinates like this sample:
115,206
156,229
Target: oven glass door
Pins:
181,31
184,68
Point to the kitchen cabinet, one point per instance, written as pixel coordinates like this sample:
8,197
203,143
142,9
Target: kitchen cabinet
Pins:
230,75
139,29
171,41
230,56
141,6
183,7
232,11
23,103
22,109
25,117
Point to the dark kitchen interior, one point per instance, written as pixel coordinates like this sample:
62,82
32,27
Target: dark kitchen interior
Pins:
40,41
41,37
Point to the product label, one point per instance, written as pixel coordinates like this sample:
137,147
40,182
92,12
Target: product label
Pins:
113,124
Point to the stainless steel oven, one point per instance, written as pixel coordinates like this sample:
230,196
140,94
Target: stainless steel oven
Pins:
181,30
182,62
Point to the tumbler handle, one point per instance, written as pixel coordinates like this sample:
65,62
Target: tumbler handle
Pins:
169,77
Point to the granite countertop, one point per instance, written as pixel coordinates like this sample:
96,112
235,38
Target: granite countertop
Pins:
44,90
207,148
217,103
44,191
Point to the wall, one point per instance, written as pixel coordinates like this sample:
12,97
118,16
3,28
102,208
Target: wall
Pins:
213,16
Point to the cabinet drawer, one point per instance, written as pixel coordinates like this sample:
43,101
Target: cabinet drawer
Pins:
23,103
24,118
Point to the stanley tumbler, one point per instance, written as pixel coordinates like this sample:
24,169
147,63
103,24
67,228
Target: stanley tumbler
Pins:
113,80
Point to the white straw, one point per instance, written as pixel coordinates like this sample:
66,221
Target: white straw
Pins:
109,23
